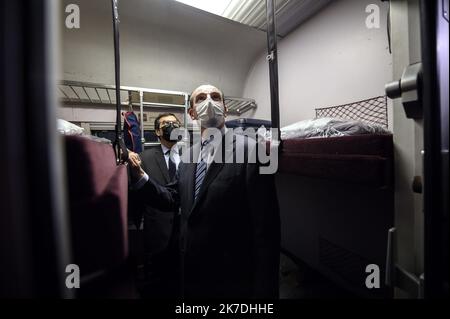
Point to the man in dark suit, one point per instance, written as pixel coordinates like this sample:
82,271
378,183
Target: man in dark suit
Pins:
161,260
230,227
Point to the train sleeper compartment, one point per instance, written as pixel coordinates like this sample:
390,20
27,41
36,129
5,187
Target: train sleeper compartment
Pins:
336,199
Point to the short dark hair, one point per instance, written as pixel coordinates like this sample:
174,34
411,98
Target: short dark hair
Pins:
160,116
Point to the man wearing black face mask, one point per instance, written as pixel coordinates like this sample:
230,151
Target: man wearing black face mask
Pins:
164,125
160,245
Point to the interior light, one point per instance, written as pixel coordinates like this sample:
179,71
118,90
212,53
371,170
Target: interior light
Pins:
216,7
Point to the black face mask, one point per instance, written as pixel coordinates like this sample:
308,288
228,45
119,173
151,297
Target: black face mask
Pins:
167,131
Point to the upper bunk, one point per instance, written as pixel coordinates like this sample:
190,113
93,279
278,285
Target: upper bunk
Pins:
357,149
148,103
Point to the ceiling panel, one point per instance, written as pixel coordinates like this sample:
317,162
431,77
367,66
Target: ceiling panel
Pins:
289,13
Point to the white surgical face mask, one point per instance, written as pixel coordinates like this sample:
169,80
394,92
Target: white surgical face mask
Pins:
210,113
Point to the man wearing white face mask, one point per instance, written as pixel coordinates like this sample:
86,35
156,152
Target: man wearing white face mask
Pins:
208,106
230,227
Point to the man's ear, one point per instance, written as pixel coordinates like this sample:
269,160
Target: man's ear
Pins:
192,113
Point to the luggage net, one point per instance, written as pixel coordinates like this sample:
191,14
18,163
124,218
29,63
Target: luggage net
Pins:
371,111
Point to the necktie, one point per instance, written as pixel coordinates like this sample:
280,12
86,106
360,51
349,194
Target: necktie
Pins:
201,169
172,166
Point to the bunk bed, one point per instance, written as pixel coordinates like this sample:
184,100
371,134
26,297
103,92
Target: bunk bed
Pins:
362,158
336,198
73,93
149,102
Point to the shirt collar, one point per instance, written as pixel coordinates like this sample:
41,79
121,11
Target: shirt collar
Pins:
174,149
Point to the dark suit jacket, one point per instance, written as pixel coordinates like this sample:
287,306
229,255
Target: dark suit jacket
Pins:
157,224
229,236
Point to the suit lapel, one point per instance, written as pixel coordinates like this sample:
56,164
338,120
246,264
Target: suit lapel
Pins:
187,180
214,169
161,161
187,175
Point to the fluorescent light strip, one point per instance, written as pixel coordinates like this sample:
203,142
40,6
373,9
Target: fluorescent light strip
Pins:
216,6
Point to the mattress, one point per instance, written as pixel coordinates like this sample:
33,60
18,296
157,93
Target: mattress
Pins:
361,159
98,196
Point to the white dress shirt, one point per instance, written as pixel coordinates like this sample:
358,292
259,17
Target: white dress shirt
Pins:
213,145
174,154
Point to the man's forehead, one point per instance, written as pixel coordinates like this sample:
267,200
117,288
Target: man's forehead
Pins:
168,118
207,89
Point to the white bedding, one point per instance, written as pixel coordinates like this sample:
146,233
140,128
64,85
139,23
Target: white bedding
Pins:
329,127
66,128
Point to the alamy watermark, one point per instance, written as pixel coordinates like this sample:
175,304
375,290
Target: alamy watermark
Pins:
373,279
73,17
373,17
240,146
73,277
